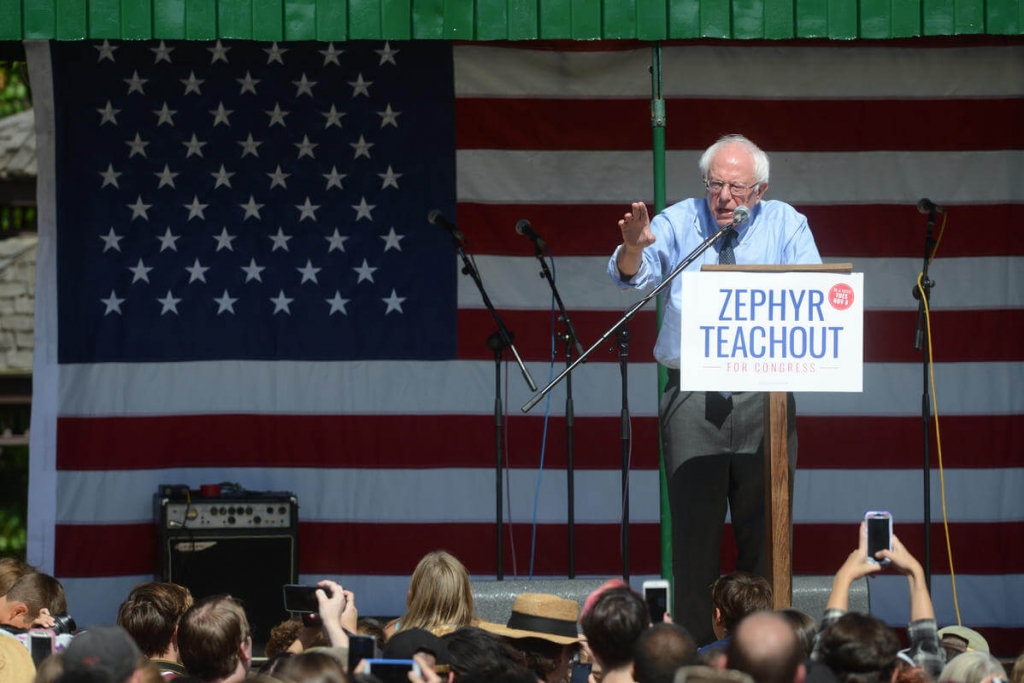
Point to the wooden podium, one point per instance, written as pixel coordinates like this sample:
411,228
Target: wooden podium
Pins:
778,513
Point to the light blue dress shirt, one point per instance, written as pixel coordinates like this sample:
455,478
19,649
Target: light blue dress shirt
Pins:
775,234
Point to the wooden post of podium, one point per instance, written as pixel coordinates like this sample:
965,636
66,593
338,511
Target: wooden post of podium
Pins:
778,515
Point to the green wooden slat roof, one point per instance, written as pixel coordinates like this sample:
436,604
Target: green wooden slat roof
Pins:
485,20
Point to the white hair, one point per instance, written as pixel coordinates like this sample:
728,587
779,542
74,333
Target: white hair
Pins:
760,158
971,667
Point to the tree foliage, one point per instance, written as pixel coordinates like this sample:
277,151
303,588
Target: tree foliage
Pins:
15,95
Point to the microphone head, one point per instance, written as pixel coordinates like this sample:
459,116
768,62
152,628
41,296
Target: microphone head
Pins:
522,226
740,214
927,206
434,215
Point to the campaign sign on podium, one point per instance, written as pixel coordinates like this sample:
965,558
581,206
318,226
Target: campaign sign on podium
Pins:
772,331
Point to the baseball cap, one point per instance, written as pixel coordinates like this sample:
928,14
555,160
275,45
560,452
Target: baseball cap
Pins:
108,650
404,644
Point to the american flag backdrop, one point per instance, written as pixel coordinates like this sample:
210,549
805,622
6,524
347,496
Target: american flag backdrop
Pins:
238,282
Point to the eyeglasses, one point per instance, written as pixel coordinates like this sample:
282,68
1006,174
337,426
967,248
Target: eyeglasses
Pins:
735,189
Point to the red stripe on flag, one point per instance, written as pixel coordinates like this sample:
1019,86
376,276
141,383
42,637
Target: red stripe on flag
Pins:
888,335
429,441
840,230
84,551
624,124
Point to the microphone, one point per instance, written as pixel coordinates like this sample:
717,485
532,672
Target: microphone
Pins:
437,218
740,214
927,206
523,228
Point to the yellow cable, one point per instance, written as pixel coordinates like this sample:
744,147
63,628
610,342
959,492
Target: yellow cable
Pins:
938,436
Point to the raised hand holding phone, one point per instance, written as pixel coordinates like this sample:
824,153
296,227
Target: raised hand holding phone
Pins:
879,535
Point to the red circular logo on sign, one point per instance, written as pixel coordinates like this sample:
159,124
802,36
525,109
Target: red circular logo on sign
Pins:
841,297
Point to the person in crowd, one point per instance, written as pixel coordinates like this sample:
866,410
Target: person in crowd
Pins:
959,639
543,627
439,598
310,667
103,654
16,665
713,443
614,616
481,655
1017,673
851,642
150,614
32,600
765,646
804,625
12,569
214,640
660,650
331,626
733,597
412,641
369,626
973,667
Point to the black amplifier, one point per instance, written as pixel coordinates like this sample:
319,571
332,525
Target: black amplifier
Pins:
244,544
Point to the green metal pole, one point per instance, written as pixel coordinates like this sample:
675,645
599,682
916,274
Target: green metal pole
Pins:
658,135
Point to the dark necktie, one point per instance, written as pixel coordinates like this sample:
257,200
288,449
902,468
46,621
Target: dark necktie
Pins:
718,404
725,254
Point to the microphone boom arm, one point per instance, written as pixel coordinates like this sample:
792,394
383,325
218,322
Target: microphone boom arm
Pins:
632,311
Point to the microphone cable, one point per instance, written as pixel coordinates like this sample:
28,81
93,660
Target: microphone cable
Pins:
935,412
547,418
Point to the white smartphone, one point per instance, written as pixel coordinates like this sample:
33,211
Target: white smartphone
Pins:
657,594
879,533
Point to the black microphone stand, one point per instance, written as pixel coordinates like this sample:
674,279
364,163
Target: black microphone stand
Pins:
571,341
922,293
622,335
614,329
498,341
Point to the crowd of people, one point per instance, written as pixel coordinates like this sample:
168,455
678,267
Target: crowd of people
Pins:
164,634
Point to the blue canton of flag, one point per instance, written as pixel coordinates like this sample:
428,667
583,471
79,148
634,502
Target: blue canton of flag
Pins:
239,200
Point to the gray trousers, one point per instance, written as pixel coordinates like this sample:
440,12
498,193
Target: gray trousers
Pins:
708,467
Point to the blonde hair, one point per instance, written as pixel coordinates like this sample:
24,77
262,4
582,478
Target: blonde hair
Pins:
440,599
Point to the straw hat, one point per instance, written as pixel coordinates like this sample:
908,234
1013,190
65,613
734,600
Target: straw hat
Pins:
540,615
974,640
15,662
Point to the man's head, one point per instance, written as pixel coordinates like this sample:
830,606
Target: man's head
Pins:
765,646
213,638
105,654
736,595
30,594
151,613
859,649
735,173
612,622
959,639
660,651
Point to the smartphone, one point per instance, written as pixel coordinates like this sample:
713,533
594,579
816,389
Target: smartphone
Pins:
580,672
302,599
391,670
879,533
41,644
360,647
656,594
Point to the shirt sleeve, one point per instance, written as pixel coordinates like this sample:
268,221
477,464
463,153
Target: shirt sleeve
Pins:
926,648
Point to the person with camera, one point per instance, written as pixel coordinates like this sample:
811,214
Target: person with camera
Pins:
34,600
869,640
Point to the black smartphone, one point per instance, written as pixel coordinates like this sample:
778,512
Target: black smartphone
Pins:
656,594
360,647
41,642
302,599
580,672
879,533
392,670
